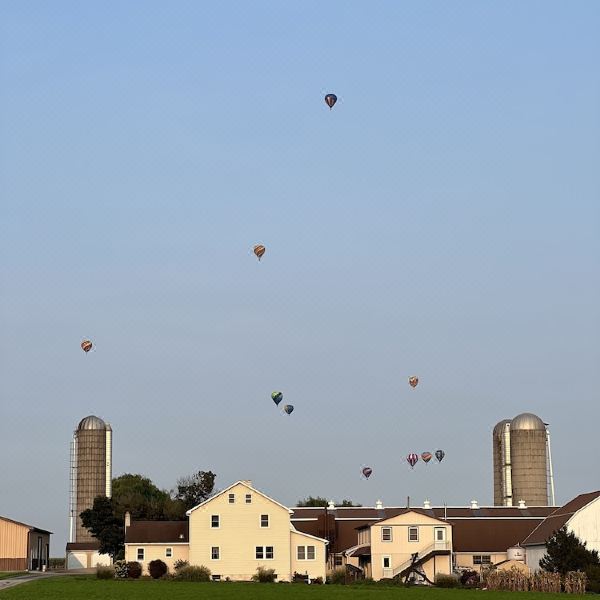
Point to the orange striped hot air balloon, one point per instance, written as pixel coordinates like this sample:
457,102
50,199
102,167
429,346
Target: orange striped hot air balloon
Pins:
414,380
426,457
86,346
259,250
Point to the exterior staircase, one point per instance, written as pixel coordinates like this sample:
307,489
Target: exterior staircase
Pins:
436,549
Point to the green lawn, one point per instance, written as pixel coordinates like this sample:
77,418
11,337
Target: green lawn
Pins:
90,588
9,574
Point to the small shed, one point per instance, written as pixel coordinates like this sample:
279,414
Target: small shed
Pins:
23,547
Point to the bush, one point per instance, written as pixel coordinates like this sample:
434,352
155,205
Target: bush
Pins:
180,563
264,575
120,569
446,581
105,572
157,569
593,583
469,578
338,577
134,570
318,581
192,573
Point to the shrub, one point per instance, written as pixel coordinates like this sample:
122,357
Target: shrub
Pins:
157,569
134,570
338,577
446,581
469,578
593,574
264,575
193,573
180,563
120,569
105,572
318,581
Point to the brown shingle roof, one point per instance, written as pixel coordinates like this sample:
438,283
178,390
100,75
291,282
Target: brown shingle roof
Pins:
558,518
490,535
157,532
83,546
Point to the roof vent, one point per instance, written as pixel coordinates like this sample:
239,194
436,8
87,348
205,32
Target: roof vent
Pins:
427,503
379,505
522,504
474,505
331,505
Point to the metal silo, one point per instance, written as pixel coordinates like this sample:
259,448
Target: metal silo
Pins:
502,464
91,471
530,465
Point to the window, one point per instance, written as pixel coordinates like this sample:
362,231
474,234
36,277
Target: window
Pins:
307,553
215,553
413,534
140,554
231,498
216,577
264,520
169,552
338,561
264,552
214,521
440,534
387,562
482,559
386,534
248,498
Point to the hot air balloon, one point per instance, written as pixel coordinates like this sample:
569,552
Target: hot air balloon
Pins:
330,100
367,471
288,408
412,459
259,250
439,454
414,380
426,457
86,346
277,397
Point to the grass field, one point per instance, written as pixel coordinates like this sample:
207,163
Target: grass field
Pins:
90,588
9,574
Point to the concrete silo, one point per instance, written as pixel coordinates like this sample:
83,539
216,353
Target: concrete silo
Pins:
522,462
91,471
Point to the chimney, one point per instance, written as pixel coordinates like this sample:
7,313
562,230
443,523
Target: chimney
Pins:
474,505
379,505
127,520
331,505
522,504
427,503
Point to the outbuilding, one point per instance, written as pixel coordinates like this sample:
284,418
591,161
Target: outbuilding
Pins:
23,547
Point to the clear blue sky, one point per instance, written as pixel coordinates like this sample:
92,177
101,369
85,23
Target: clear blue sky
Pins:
443,220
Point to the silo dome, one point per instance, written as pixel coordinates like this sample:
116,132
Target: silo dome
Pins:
527,421
91,422
500,427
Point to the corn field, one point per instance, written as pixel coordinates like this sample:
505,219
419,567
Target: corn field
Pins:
516,581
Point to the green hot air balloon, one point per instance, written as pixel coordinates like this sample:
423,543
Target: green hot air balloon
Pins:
277,397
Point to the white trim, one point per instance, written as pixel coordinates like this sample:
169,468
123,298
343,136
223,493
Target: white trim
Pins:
218,552
226,490
413,527
268,525
389,557
308,535
306,553
168,548
137,553
307,519
231,498
391,535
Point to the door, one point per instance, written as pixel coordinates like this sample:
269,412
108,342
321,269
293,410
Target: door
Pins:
386,563
439,535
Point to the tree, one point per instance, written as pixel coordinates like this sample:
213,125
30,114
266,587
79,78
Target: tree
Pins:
139,496
194,489
102,523
565,552
320,501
